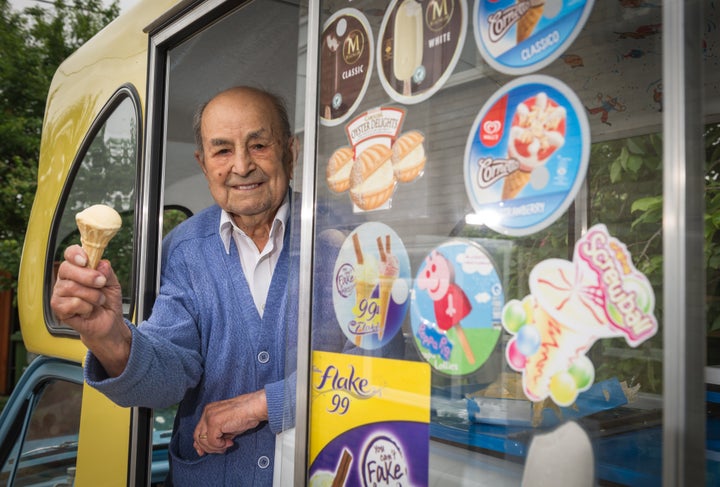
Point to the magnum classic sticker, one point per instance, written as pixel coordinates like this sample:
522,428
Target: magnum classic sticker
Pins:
345,65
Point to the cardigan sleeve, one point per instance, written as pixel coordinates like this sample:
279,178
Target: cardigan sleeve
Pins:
165,354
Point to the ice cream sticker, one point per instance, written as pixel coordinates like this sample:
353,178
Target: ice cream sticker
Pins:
600,294
345,65
369,421
378,158
455,308
419,44
371,289
523,36
526,155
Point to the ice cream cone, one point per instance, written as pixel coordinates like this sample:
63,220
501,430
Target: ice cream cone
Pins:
514,183
98,224
526,25
389,271
559,347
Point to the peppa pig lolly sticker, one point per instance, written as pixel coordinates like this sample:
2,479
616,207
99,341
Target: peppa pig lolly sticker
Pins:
526,156
571,305
370,288
455,307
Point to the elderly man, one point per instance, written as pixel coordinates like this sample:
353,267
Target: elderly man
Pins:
217,337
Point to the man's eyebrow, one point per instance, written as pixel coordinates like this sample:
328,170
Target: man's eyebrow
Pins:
219,142
256,134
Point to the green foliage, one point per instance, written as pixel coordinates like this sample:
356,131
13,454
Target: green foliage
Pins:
33,43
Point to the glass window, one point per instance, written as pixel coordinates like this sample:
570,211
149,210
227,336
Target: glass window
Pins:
471,175
105,173
48,440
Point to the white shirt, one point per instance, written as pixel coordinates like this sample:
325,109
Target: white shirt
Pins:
258,266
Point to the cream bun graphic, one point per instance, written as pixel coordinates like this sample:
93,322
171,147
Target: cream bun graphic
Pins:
537,131
98,224
598,295
408,156
372,180
338,170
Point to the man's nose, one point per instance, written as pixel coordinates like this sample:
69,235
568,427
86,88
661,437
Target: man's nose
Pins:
242,162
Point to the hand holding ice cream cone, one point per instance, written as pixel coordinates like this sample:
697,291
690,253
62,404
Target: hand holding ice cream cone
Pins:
98,224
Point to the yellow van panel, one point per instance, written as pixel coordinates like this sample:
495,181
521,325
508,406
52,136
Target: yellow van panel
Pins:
104,441
81,87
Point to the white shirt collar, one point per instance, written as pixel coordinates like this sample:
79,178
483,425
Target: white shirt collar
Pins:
279,223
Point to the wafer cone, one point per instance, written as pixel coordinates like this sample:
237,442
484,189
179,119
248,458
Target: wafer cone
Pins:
526,25
98,224
514,183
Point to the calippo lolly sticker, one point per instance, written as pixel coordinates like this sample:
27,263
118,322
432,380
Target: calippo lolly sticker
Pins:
600,294
522,36
346,57
420,43
456,303
527,155
371,290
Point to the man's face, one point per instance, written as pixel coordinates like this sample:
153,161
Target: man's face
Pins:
245,159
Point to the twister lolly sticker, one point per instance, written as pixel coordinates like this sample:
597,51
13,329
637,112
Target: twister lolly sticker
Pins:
419,44
346,57
523,36
600,294
370,291
527,155
455,307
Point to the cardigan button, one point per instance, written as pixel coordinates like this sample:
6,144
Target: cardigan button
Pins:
263,357
263,462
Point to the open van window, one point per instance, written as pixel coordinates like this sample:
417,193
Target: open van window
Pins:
104,172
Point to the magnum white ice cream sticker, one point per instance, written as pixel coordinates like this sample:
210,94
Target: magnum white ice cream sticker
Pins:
571,305
419,44
522,36
345,65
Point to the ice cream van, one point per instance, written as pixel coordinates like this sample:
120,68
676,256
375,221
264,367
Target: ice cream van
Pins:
524,274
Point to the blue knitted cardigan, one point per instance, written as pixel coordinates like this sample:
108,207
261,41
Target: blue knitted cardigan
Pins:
205,341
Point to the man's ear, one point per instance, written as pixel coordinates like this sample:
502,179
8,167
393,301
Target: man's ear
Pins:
201,161
293,151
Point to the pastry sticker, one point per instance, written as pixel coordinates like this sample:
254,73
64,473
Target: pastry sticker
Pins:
600,294
456,303
419,45
371,290
522,36
370,421
345,65
526,156
378,158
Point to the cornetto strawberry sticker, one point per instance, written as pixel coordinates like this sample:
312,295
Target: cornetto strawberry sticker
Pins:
526,155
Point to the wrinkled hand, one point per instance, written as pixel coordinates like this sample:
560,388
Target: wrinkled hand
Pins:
90,302
222,421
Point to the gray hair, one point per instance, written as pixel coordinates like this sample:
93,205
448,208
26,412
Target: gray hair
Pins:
276,100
